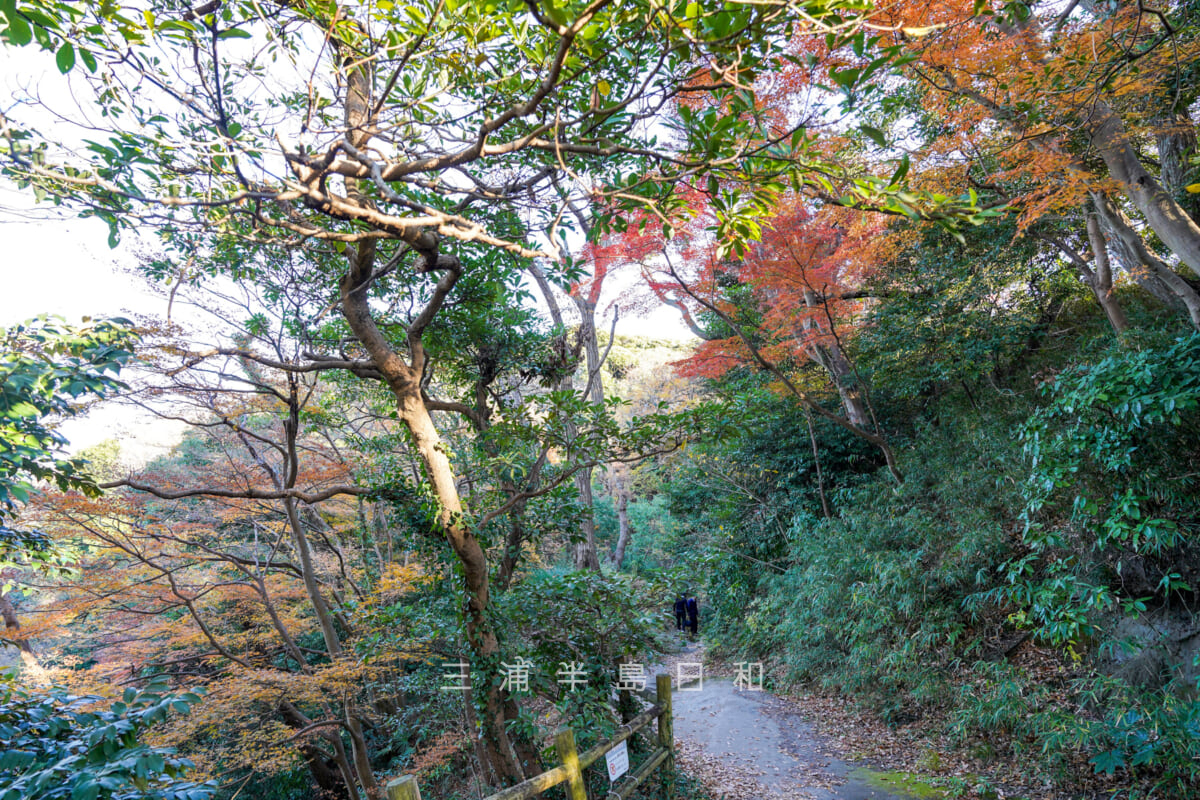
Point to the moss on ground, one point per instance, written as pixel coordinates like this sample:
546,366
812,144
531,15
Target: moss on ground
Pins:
905,783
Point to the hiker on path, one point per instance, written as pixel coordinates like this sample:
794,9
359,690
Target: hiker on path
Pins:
693,615
680,613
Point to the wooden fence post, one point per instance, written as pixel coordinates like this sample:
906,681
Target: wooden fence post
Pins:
403,788
666,733
564,744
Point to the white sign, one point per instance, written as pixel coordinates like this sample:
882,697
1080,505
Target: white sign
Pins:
618,761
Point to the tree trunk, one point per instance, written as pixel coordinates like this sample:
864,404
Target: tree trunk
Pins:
1115,220
621,496
512,545
481,636
478,744
404,381
325,770
585,551
1175,135
830,356
586,557
1125,259
1100,279
12,625
825,349
333,646
1177,230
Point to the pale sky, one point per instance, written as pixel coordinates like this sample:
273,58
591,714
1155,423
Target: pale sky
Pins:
63,267
57,266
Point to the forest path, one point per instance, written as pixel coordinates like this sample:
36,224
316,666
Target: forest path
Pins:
753,745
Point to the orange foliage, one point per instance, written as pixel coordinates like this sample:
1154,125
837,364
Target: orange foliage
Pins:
207,592
1016,92
441,750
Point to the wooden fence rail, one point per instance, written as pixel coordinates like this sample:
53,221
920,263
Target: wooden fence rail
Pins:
573,763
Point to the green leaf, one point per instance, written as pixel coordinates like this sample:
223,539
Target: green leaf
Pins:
874,134
86,789
18,31
846,78
1107,762
65,58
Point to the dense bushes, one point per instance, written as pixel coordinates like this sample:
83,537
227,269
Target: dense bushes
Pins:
559,620
1058,509
871,602
1111,509
734,504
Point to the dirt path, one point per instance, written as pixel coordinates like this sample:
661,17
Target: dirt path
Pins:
752,745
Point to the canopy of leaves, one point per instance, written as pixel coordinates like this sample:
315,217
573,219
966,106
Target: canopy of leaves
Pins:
47,370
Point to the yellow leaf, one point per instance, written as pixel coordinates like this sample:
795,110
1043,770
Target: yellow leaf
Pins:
604,88
1193,188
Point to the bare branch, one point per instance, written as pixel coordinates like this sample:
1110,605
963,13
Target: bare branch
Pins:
315,496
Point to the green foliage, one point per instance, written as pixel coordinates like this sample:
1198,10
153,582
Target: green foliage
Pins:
733,505
597,620
872,602
658,543
47,370
1000,704
952,314
52,25
1137,730
452,66
60,746
1111,485
1153,734
103,460
907,598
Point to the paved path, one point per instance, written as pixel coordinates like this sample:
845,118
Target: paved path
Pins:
754,746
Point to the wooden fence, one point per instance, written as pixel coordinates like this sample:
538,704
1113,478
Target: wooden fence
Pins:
573,763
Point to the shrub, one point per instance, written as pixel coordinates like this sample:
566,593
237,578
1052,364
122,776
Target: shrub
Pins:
58,746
